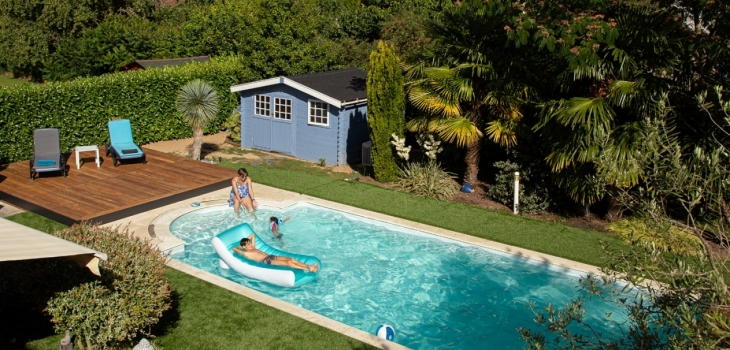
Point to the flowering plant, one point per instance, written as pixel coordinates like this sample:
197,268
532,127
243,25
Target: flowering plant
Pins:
432,147
400,146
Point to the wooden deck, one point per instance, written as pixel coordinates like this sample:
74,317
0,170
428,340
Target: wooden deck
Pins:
107,193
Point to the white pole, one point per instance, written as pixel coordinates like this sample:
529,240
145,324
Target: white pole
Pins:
515,208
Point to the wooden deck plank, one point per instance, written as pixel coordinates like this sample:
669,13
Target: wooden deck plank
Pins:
92,193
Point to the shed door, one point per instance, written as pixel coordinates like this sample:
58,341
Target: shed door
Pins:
262,133
282,130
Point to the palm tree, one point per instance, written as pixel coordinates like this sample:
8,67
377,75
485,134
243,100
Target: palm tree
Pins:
473,81
617,80
197,103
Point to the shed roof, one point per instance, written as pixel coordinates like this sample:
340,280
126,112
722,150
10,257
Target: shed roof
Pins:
159,63
345,84
18,242
337,87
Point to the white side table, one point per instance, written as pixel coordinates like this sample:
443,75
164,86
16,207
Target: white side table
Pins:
87,149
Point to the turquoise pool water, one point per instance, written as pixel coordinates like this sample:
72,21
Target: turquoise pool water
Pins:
437,293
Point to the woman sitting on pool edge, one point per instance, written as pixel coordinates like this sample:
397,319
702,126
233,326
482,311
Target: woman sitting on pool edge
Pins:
242,192
250,252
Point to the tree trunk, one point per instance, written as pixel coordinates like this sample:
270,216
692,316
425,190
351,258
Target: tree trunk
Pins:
472,162
197,142
615,210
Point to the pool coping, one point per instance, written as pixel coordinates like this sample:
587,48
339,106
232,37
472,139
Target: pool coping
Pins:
159,229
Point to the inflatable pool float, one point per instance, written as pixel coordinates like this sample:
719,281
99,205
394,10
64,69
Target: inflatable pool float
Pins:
283,276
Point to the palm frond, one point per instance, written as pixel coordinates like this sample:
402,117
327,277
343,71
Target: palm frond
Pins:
503,132
459,130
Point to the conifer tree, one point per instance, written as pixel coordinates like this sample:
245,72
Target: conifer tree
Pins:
386,105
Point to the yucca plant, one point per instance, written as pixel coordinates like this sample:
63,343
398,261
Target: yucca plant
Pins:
197,103
426,179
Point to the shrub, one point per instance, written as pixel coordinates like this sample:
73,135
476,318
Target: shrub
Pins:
426,180
533,198
233,124
128,298
386,104
664,237
81,108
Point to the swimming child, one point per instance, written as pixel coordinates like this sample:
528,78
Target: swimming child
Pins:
274,224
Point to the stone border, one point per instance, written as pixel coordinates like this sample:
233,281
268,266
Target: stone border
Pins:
159,228
297,311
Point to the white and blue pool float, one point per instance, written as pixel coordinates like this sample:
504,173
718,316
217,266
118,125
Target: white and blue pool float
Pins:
385,331
282,276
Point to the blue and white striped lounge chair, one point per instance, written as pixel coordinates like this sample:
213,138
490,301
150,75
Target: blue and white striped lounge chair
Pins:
122,146
47,155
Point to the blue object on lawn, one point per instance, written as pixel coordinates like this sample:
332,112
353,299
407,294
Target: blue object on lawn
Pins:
466,188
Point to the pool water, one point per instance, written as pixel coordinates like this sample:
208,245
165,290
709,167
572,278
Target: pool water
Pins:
436,293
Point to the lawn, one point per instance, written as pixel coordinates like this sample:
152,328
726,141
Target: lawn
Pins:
205,316
542,236
209,317
8,81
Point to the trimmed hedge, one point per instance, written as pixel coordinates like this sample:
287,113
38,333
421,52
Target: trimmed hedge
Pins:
81,108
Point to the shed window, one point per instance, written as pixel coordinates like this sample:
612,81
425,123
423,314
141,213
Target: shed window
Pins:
318,113
282,108
263,105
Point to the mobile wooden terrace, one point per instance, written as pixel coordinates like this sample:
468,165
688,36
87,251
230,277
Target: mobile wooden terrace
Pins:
105,194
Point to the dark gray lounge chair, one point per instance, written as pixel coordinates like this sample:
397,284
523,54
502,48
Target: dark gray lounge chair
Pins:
47,155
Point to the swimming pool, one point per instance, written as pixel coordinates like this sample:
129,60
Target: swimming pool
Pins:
436,292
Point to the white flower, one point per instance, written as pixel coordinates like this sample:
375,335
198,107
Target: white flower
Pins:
400,146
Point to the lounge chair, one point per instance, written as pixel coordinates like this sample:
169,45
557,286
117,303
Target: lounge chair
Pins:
47,155
122,146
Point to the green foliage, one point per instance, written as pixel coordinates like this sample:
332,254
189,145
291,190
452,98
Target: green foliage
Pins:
128,298
278,37
426,179
322,162
386,104
197,103
681,214
233,124
666,237
30,30
81,108
533,196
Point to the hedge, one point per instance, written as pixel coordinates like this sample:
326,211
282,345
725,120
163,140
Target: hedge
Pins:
81,108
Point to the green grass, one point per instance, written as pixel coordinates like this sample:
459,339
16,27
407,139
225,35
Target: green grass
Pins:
546,237
209,317
8,81
230,321
36,221
205,316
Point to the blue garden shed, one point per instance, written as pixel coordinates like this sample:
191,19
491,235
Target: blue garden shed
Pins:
312,116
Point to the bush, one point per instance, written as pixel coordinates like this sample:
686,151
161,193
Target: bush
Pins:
665,237
386,104
426,180
233,124
533,200
81,108
126,301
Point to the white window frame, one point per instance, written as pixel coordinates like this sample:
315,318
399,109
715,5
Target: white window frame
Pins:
326,116
259,105
286,114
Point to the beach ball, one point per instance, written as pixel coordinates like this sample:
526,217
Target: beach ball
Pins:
386,332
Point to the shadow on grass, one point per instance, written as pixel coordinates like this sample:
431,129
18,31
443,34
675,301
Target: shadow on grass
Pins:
170,318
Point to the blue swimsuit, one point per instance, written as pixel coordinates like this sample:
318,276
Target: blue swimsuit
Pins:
242,189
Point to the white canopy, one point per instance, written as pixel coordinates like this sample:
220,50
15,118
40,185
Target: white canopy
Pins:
18,242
